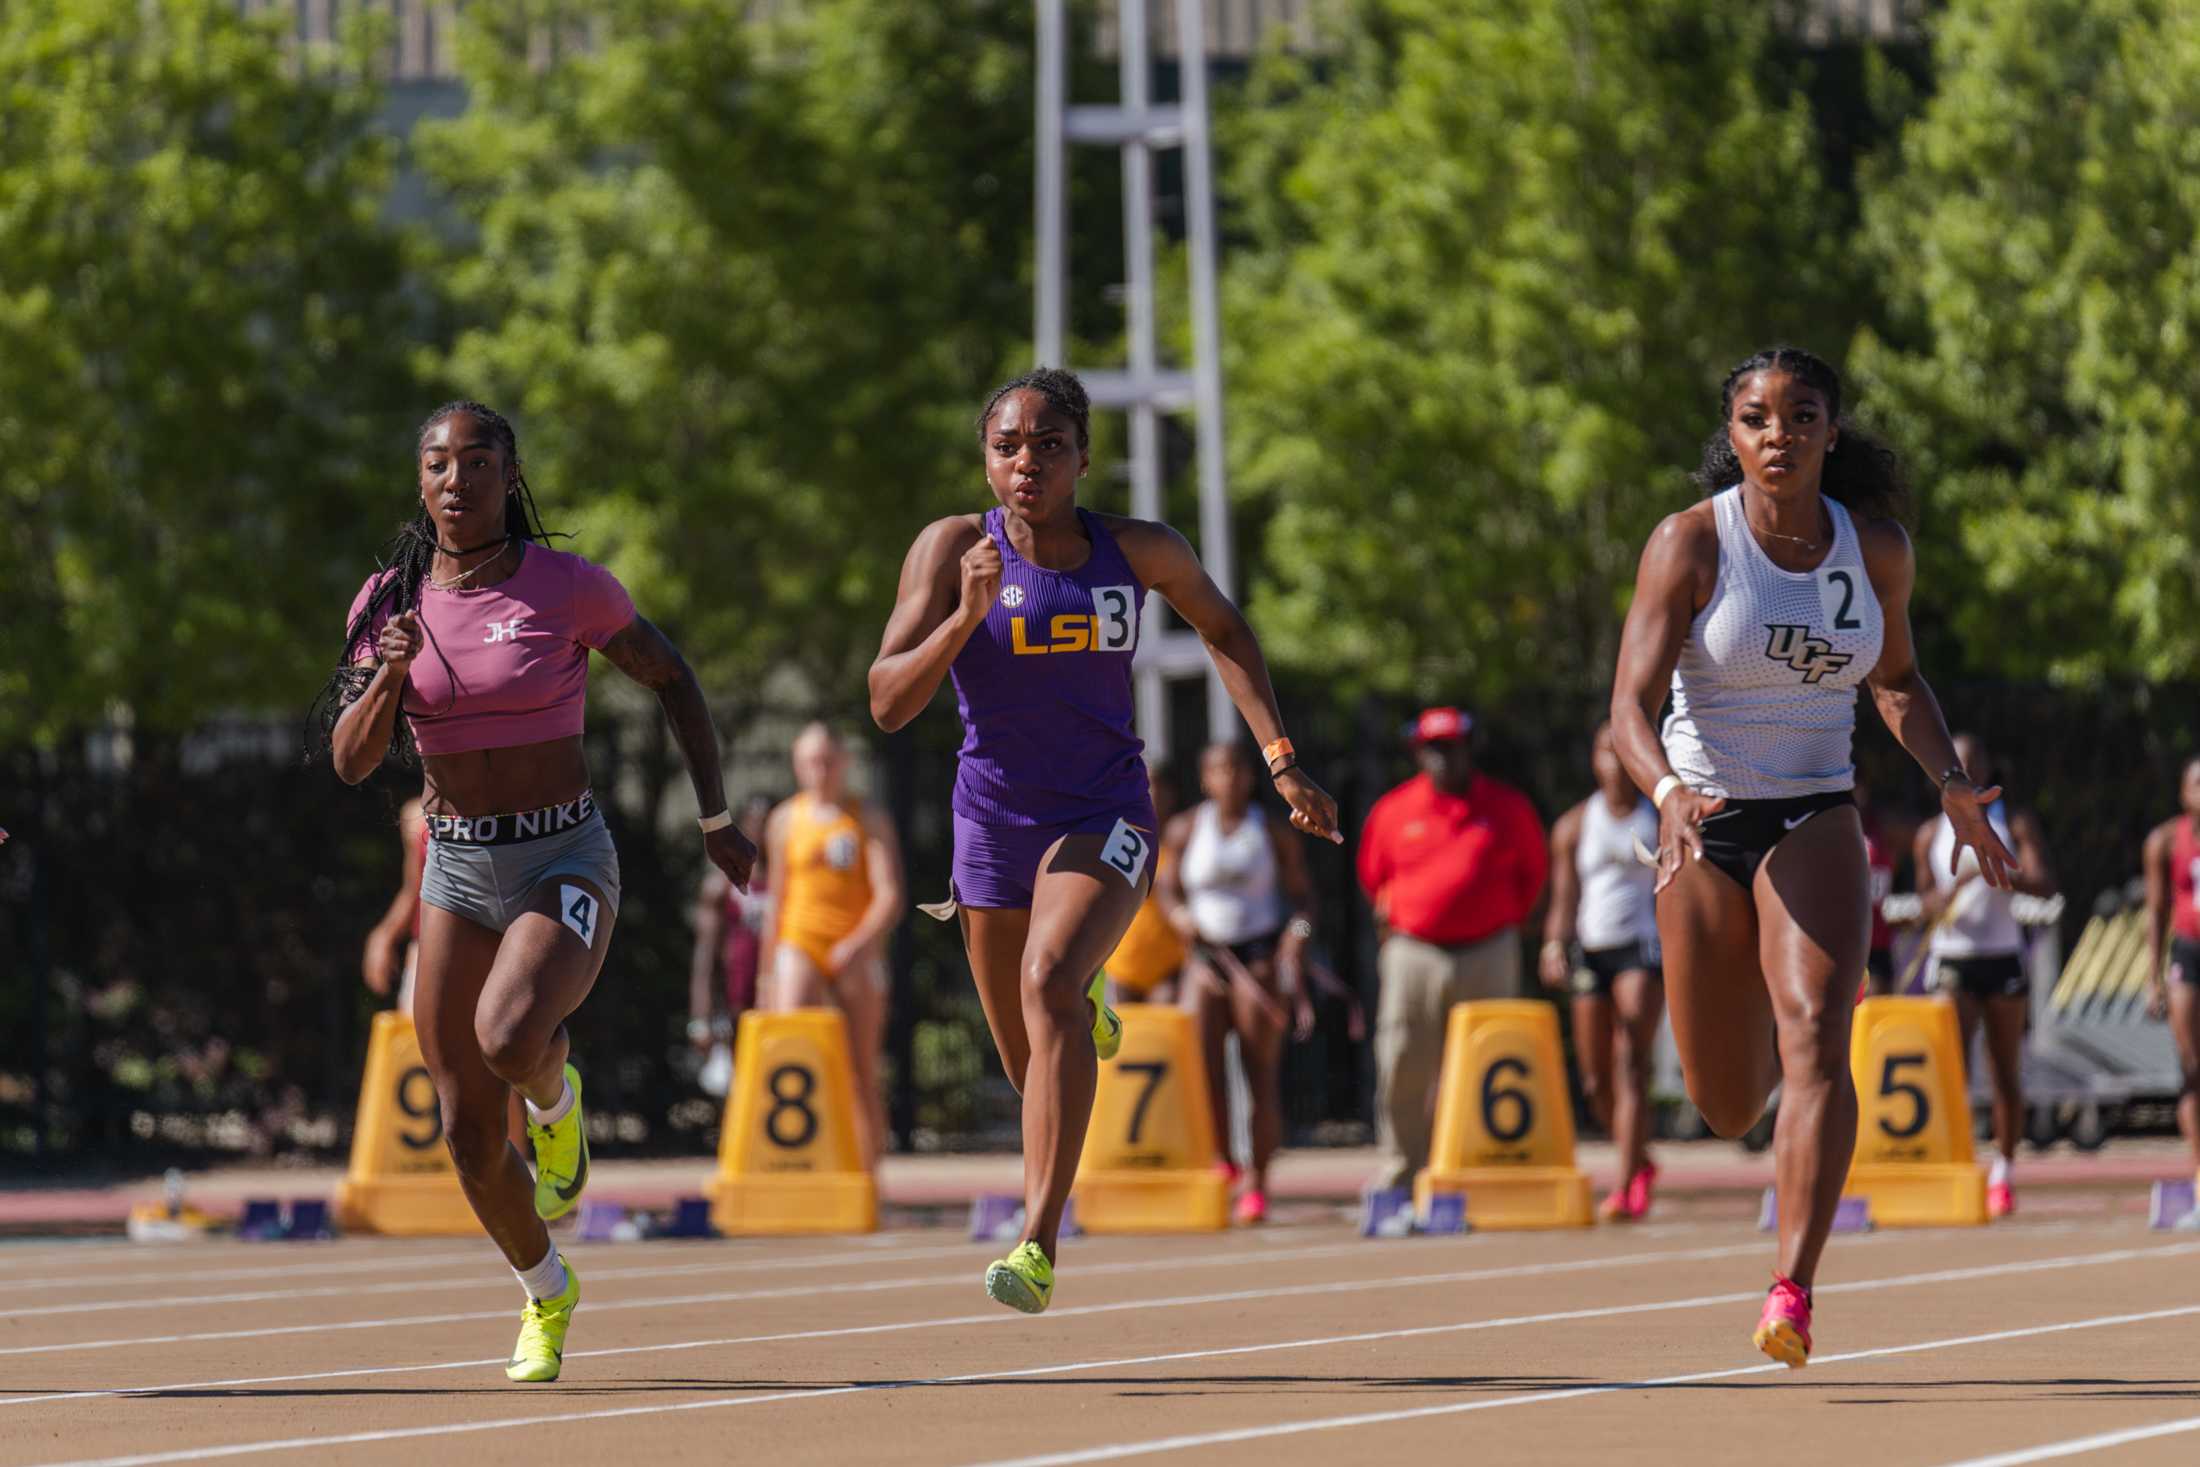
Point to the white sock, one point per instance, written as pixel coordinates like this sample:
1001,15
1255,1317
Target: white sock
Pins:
1998,1174
546,1280
555,1113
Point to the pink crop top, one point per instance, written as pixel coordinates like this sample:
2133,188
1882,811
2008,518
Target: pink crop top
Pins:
513,663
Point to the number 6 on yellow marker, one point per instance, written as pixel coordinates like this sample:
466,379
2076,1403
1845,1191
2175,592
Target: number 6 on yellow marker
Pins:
1504,1124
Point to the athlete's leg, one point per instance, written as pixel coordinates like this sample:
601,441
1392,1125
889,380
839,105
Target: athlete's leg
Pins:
455,958
1967,1022
2184,1028
1258,1018
1207,1003
1080,908
543,970
1814,904
1722,1016
791,980
2005,1023
993,938
1592,1014
1640,1002
860,991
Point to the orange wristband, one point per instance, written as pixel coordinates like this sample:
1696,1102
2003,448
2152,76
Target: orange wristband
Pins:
1280,749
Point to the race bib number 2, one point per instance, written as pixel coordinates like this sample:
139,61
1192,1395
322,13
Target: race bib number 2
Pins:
1126,851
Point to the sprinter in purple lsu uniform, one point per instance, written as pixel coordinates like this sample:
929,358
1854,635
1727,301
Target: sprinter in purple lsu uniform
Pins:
1033,607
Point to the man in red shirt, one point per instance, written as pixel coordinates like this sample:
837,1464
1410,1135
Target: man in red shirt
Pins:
1453,862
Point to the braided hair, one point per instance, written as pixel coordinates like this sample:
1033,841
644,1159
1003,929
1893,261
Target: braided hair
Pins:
403,570
1063,392
1864,477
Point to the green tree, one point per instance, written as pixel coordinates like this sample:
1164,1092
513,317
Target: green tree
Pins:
1497,260
744,284
201,360
2039,238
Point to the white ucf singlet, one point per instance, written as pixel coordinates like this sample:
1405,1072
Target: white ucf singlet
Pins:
1764,694
1616,902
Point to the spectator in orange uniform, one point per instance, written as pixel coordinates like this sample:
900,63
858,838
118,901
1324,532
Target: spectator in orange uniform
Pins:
1453,862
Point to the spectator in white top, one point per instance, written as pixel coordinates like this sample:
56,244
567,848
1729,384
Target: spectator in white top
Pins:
1600,938
1977,950
1234,883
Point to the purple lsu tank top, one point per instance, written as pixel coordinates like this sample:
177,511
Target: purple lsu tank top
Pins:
1044,689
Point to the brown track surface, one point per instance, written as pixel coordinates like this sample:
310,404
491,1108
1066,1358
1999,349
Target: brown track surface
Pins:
1543,1347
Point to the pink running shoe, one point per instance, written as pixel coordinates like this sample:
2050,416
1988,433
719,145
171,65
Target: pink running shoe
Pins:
2000,1201
1230,1171
1639,1187
1783,1330
1619,1204
1252,1207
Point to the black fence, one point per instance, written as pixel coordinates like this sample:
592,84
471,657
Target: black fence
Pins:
182,919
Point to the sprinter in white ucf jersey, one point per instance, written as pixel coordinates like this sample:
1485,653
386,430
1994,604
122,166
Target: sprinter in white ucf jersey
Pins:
1762,610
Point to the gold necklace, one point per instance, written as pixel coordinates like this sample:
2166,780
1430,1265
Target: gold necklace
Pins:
466,575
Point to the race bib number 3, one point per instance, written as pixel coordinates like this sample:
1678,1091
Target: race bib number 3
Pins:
1115,618
1127,850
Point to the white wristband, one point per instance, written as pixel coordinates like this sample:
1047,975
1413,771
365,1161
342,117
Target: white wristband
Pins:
1665,787
718,821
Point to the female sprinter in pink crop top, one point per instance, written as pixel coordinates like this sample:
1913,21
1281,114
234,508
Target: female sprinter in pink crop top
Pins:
479,633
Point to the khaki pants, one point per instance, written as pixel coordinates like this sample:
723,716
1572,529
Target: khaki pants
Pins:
1420,983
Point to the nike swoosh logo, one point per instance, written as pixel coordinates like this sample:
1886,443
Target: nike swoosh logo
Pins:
1798,820
580,1177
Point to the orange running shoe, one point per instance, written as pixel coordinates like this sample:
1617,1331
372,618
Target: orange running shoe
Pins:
1783,1330
2000,1201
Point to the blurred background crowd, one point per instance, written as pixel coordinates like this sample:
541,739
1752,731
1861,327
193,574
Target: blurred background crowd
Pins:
741,273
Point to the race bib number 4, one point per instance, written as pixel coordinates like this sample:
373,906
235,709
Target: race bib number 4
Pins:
578,909
1126,851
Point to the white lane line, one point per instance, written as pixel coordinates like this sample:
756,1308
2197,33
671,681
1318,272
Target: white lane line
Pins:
493,1276
264,1271
1119,1450
237,1449
1527,1270
481,1277
2079,1445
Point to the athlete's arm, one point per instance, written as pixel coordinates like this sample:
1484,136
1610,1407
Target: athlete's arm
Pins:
710,931
647,655
1558,923
948,582
2155,862
386,943
1162,558
1911,712
1298,889
1168,886
362,735
775,860
2035,874
882,862
1680,564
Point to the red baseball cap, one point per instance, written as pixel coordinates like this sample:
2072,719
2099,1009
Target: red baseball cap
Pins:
1437,724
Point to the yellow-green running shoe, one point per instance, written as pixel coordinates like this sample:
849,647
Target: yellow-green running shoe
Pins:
1107,1027
1024,1280
542,1327
561,1157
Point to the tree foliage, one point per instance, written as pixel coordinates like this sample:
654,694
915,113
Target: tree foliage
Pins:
1498,258
743,285
201,352
2039,238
